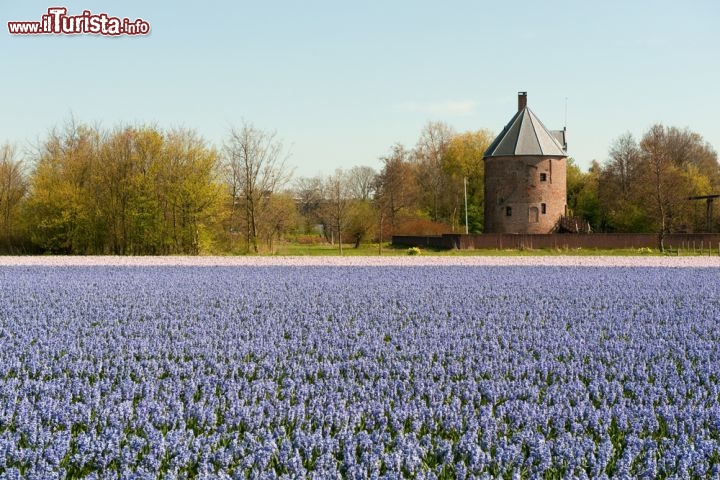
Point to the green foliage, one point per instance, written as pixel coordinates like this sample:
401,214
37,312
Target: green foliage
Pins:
130,191
464,160
644,187
361,222
145,191
426,185
476,217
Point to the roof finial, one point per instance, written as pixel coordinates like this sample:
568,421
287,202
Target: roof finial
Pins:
522,100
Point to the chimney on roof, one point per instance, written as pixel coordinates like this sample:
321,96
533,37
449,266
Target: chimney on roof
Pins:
522,100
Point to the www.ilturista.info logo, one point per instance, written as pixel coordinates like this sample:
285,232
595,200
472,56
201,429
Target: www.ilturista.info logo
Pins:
58,22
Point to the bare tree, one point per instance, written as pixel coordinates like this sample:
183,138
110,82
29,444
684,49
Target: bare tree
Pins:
308,193
429,156
621,190
256,166
658,165
281,218
397,187
337,198
13,187
362,181
623,163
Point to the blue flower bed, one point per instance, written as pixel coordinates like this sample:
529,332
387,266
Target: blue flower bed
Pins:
359,372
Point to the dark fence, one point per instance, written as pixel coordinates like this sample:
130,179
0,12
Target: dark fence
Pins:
684,241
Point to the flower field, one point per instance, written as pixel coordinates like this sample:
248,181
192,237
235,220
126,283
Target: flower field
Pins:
425,371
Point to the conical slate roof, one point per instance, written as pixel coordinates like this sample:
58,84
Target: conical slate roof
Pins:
525,135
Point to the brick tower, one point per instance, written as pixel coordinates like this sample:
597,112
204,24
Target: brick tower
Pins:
525,176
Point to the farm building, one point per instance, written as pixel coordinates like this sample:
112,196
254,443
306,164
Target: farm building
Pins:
525,176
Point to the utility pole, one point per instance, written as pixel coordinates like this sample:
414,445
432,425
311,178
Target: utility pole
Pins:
466,212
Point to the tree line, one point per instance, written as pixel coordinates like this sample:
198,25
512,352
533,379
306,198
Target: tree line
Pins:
142,190
646,186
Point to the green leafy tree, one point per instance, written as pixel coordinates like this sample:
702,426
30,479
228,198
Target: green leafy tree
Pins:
60,207
464,161
671,175
192,194
586,201
644,187
361,221
128,191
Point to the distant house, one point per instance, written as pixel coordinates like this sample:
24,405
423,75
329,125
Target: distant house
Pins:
525,176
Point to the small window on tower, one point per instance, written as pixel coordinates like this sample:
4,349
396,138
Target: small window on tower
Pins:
508,211
543,208
543,177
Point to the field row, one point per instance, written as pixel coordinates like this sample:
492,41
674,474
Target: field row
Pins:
368,261
426,372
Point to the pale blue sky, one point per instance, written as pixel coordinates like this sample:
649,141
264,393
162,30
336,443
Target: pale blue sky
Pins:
341,81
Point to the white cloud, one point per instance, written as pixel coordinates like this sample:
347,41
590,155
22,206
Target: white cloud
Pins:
447,107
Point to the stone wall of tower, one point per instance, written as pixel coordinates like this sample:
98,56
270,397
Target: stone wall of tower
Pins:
524,194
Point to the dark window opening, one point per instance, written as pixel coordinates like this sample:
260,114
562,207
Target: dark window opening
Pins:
508,211
543,177
543,208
